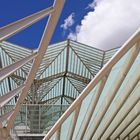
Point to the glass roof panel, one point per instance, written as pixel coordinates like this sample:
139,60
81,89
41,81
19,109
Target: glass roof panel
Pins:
119,98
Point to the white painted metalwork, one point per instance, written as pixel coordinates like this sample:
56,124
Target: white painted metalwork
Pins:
108,105
7,97
108,108
3,119
14,28
7,71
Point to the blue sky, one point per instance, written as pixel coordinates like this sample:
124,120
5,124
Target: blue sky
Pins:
12,10
105,24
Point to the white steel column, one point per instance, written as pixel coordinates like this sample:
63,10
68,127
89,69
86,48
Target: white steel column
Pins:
42,49
7,71
13,28
129,44
7,97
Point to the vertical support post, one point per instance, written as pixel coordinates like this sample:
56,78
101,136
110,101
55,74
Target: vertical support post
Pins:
52,21
9,83
102,63
39,118
66,70
26,112
0,60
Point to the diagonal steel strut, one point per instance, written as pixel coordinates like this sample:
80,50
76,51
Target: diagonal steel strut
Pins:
53,18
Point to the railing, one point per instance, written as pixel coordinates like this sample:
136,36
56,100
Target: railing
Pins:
14,134
37,118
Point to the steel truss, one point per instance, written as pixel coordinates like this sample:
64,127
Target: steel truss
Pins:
7,120
109,107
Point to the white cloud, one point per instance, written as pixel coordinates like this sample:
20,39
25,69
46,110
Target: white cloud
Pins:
73,35
92,5
68,22
110,25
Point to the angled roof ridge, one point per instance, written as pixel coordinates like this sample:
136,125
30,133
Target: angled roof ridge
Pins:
34,49
18,46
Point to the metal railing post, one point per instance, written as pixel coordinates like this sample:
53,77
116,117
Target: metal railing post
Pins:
26,113
39,117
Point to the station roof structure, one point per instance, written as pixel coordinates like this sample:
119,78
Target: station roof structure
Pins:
66,69
7,118
103,92
109,107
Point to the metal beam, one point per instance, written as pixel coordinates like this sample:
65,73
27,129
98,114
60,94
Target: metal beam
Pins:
5,117
46,88
50,78
74,120
67,100
82,62
71,98
124,71
130,123
50,63
137,126
7,71
7,97
74,85
58,134
58,5
78,77
48,101
14,76
13,28
127,90
125,48
91,108
66,70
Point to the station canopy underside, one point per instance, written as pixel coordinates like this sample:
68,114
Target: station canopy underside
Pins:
99,95
109,107
66,69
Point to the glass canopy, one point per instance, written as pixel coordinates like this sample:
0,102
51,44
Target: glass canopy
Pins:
109,107
66,69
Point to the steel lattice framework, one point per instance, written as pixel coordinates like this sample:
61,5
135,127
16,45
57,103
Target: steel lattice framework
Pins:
7,120
62,73
66,69
66,66
109,107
